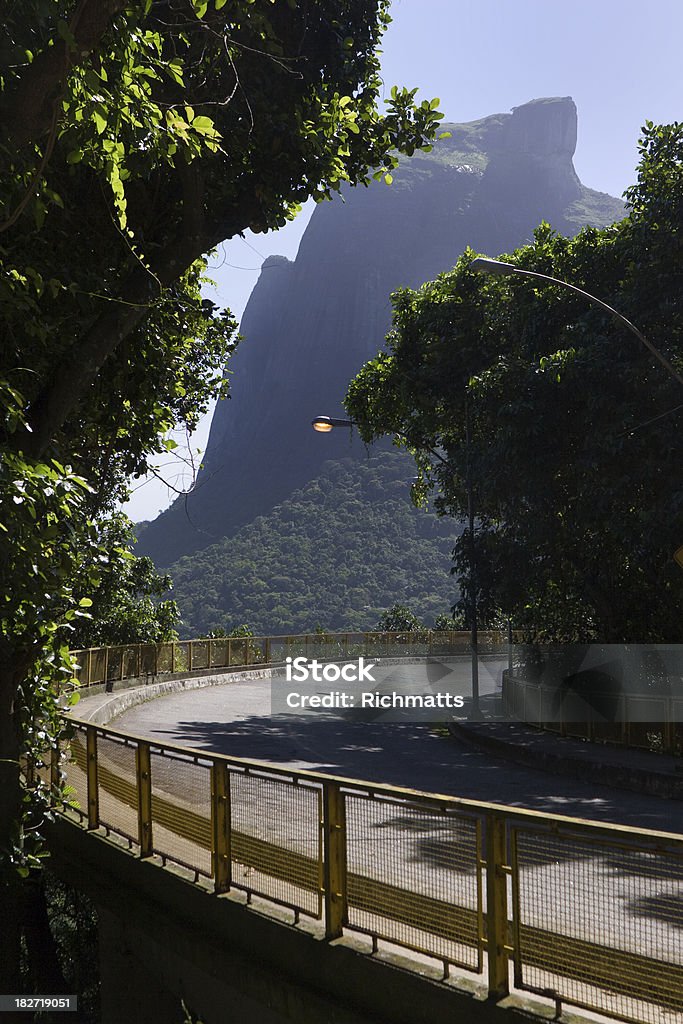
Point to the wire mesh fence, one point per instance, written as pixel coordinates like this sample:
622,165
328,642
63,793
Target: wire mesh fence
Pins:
105,665
277,851
647,722
117,790
74,772
598,923
181,809
414,877
592,915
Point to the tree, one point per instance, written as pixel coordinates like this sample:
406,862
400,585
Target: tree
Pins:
445,623
134,136
127,605
567,428
398,619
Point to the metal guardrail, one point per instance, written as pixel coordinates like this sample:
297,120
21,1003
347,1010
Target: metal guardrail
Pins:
643,721
589,914
101,665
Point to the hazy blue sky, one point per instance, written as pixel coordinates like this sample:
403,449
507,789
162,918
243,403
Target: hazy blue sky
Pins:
619,59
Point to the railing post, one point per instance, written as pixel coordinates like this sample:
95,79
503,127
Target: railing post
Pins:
220,814
334,859
267,650
91,769
173,657
189,655
89,668
497,947
143,766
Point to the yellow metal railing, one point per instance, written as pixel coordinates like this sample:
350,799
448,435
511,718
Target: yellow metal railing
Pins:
650,722
101,665
590,914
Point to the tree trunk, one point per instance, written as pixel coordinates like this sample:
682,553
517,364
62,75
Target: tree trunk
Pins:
44,968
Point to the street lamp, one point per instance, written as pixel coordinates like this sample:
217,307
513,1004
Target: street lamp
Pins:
484,265
324,424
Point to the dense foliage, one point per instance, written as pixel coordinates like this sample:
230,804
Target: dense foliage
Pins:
574,449
336,554
398,619
134,136
130,604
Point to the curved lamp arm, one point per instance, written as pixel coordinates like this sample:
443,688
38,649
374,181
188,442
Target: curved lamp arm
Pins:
483,265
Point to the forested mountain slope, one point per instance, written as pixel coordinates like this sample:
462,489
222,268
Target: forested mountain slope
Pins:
335,553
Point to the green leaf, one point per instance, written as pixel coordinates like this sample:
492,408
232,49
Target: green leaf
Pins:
100,121
204,125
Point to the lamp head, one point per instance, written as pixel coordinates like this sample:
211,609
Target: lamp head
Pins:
326,423
484,265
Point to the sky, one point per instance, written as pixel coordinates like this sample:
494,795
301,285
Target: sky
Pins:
619,60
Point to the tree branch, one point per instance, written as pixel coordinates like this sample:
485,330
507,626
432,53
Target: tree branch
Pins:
27,106
70,380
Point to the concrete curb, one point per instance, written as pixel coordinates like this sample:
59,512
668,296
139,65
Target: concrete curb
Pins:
619,776
102,708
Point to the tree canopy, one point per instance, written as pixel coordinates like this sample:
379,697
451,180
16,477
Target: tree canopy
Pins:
134,136
574,446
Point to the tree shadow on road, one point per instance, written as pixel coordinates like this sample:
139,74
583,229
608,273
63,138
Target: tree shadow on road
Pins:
664,907
412,755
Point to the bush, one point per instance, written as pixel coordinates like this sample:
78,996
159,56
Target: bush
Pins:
399,619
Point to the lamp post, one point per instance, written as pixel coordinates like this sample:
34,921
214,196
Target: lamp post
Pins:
484,265
324,424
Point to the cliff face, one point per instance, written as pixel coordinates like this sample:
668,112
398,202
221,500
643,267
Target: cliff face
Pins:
310,324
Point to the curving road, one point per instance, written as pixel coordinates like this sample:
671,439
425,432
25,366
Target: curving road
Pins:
235,719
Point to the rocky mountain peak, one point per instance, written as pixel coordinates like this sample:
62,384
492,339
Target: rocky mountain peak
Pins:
530,158
311,323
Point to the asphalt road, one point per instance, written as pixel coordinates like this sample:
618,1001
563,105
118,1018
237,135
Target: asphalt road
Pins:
236,719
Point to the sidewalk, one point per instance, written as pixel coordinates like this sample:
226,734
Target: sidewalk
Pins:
637,770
